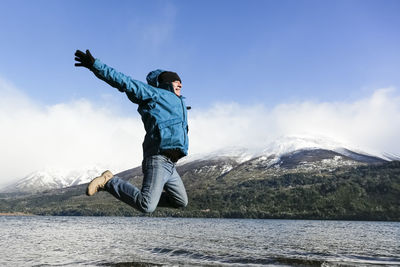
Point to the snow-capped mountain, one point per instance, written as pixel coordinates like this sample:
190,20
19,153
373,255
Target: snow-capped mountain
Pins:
53,179
314,153
306,160
286,154
285,146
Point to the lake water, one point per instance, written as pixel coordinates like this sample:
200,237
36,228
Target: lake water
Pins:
145,241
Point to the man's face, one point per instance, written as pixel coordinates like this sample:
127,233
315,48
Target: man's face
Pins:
177,87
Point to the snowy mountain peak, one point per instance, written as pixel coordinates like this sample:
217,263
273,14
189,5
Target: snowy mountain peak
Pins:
287,144
53,178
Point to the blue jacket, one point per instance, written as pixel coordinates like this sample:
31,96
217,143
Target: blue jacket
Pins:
163,113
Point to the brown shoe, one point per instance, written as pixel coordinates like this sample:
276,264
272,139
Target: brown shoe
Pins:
98,183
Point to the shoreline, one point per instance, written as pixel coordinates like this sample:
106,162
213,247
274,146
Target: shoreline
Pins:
16,214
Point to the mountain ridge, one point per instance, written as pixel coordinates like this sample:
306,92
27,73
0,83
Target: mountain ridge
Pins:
248,190
282,150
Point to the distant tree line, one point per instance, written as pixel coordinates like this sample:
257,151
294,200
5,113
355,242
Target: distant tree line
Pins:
361,193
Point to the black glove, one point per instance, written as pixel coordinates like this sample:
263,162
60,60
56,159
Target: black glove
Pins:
85,60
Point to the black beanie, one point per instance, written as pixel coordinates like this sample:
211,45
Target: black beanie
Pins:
168,77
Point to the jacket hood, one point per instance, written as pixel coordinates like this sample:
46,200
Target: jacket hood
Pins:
152,77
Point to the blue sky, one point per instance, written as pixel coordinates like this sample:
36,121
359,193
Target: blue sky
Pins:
252,71
240,51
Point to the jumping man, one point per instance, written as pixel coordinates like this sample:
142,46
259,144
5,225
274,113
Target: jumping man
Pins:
164,116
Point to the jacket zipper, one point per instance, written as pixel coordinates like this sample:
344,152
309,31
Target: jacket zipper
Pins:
184,120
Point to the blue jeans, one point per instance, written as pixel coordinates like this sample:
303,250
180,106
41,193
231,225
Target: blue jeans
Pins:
162,186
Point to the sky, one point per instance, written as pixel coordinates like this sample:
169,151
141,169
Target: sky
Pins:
252,71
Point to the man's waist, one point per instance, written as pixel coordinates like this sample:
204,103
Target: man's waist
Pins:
173,154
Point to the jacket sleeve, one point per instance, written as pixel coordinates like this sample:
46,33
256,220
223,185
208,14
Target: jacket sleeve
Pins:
137,91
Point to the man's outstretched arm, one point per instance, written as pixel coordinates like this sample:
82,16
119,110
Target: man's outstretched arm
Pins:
136,91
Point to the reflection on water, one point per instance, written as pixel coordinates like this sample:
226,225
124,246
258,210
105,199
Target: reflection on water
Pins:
119,241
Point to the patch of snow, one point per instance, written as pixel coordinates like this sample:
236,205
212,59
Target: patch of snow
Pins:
390,156
226,168
267,161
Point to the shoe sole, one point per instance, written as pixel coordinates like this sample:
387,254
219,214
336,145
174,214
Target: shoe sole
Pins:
98,182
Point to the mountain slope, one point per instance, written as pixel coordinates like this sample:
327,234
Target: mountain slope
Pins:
307,184
298,153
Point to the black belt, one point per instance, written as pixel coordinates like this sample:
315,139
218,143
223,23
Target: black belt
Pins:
173,154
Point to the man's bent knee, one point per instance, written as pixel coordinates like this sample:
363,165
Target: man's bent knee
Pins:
181,204
147,207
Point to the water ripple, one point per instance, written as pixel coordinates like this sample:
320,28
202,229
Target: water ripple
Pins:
145,241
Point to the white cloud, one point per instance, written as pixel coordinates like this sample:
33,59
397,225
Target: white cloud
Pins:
69,135
77,134
371,124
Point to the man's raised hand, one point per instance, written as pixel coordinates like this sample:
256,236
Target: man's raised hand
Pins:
84,60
